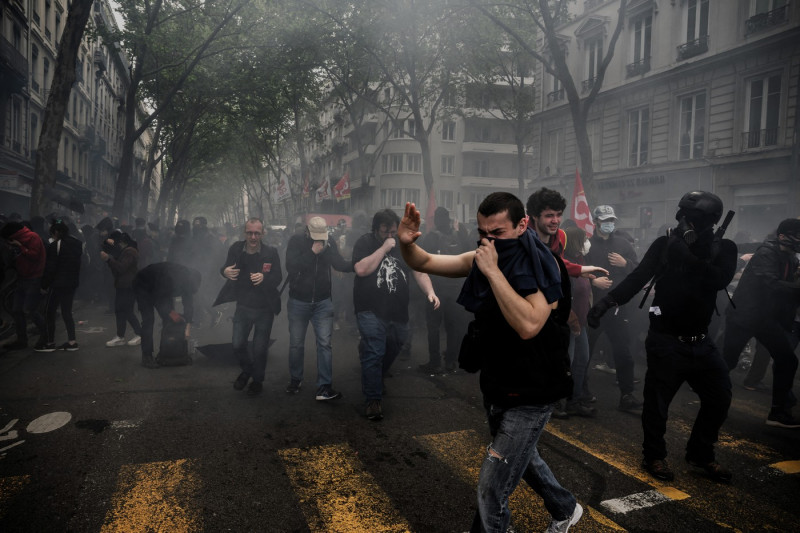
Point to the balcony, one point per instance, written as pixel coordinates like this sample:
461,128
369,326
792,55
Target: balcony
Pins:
555,96
638,68
762,21
100,62
587,85
760,138
13,67
693,48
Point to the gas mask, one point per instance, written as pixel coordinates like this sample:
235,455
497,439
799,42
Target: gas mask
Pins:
607,227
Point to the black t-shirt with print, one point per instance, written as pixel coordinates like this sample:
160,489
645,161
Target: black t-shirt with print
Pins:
384,291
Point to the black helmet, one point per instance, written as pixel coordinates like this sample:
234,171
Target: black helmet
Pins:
700,204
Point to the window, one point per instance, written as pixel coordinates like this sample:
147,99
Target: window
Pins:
638,126
46,74
449,97
414,163
448,130
58,27
411,127
392,198
395,162
696,29
550,152
446,199
384,164
482,168
16,125
35,68
34,128
412,195
692,126
641,28
594,57
766,14
763,105
448,165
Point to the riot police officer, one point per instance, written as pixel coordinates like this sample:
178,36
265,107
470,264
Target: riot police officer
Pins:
688,266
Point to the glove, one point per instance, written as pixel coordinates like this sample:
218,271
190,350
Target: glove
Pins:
598,310
685,231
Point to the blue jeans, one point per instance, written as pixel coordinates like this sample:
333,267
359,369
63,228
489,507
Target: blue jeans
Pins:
579,355
320,314
381,341
516,432
246,319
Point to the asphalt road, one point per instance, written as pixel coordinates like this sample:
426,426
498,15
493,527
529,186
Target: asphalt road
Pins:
91,441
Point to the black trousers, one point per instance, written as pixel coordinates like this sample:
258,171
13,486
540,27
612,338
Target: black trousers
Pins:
148,306
617,329
670,363
59,297
780,343
455,319
123,309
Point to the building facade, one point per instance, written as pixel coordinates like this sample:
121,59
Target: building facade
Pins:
700,94
91,144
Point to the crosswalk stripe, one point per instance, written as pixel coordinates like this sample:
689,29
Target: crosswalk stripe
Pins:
463,452
337,494
643,500
156,496
10,487
787,467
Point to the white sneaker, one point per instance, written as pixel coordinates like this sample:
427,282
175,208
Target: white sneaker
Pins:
116,341
564,525
603,367
136,341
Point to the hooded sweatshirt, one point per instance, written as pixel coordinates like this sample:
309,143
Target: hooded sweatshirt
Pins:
30,262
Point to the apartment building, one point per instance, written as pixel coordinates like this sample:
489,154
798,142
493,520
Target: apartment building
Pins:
91,145
700,94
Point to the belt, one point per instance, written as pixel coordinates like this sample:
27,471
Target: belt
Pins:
691,339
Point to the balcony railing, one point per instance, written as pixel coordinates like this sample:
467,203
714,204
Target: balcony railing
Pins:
638,67
759,138
587,85
693,48
11,58
555,96
762,21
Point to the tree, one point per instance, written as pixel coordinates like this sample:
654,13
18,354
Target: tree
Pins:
53,121
547,16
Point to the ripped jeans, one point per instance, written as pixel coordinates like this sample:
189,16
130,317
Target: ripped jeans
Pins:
512,456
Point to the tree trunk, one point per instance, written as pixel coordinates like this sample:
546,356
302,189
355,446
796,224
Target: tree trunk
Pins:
144,199
53,121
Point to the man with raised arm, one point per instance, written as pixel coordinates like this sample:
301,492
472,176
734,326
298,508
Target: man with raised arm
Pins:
519,292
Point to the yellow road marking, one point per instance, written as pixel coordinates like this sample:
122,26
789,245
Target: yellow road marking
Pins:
157,497
463,452
673,494
337,494
787,467
10,487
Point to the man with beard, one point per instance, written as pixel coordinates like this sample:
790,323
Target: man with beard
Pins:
380,295
687,267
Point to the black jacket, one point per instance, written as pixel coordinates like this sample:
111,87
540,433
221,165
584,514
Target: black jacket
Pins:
768,288
310,273
169,280
63,266
534,371
242,290
598,256
687,284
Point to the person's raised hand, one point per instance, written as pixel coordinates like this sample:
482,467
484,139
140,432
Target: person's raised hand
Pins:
408,230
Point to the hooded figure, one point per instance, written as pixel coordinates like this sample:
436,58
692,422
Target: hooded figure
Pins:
28,256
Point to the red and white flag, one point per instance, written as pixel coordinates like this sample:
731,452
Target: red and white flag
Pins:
342,189
282,191
324,191
580,207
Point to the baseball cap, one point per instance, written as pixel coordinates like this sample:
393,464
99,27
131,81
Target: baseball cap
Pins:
318,229
603,212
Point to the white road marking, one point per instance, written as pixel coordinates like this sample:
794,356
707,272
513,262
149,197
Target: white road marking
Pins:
49,422
11,446
643,500
125,424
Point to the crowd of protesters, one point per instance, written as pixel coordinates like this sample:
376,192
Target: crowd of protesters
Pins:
357,278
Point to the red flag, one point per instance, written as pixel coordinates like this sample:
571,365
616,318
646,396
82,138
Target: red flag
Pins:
580,207
324,191
431,208
342,189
